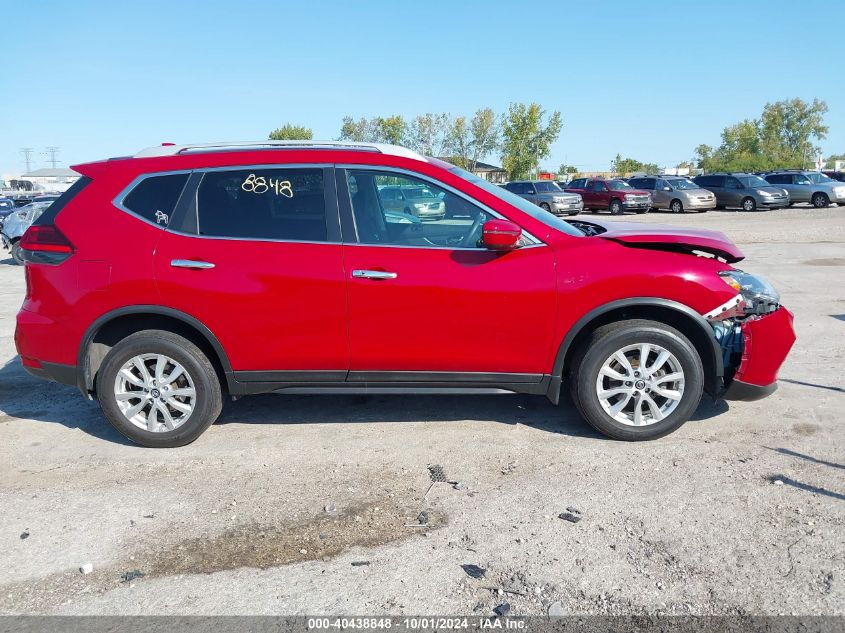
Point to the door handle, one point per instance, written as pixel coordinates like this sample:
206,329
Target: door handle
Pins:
373,274
190,263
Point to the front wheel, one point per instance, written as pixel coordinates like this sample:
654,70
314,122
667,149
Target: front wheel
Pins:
820,201
749,204
615,207
159,389
545,207
637,380
677,206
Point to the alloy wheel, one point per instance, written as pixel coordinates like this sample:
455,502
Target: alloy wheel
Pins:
155,393
640,385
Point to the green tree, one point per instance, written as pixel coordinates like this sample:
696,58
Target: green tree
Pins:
428,134
624,166
392,129
567,169
289,132
356,131
830,161
527,137
459,142
484,135
784,136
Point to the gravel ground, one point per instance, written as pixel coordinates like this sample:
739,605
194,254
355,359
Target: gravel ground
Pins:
741,511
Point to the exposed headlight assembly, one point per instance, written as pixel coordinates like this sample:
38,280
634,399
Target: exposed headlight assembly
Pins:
759,295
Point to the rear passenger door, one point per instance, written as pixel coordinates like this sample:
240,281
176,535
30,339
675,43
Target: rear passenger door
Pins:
254,254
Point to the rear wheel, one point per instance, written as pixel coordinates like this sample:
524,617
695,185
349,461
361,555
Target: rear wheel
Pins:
676,206
615,207
820,200
749,204
637,380
159,389
17,253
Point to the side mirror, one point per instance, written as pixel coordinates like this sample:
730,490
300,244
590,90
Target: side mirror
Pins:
667,188
500,235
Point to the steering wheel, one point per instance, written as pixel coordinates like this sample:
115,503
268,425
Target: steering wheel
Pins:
475,232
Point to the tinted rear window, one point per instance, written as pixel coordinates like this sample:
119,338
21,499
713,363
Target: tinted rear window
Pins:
274,204
49,216
154,198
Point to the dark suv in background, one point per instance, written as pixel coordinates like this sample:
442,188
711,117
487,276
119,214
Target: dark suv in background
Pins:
746,191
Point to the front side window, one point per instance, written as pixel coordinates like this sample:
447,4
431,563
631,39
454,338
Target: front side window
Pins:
751,181
263,203
801,179
426,216
155,197
547,186
599,186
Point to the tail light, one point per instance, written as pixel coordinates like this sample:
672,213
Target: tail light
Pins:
45,244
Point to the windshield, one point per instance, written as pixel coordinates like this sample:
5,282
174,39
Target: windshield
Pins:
817,177
682,184
753,181
418,192
616,185
546,186
522,204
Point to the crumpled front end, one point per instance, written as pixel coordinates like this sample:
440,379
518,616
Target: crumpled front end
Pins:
755,334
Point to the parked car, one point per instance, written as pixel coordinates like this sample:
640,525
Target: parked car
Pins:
813,187
15,225
547,195
746,191
7,205
835,175
675,193
144,293
417,201
614,195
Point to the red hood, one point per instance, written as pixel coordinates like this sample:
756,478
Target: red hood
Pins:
666,237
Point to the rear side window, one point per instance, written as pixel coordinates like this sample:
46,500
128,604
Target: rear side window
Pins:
779,179
155,197
49,215
270,204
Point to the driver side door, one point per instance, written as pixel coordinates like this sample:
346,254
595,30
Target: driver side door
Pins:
428,303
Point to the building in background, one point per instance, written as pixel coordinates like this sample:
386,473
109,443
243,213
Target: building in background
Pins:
51,179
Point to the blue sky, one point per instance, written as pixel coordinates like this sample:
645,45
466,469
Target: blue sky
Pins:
650,80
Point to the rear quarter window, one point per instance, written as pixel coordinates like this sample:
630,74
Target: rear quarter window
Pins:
49,215
155,197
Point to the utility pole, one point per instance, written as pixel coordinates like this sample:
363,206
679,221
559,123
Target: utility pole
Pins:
27,157
52,151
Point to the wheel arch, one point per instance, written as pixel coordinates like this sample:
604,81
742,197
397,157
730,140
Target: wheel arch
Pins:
113,326
683,318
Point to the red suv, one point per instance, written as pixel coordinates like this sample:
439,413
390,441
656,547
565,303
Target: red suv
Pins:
162,282
612,194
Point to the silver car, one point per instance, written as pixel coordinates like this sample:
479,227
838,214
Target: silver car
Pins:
675,193
809,186
547,195
16,224
746,191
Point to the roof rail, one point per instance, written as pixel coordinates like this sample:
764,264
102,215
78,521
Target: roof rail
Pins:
171,149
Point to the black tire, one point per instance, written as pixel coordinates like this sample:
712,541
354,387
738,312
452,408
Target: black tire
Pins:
574,213
209,397
820,200
748,204
615,207
602,344
545,207
676,206
17,254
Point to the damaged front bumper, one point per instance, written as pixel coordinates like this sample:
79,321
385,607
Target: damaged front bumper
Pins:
754,349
